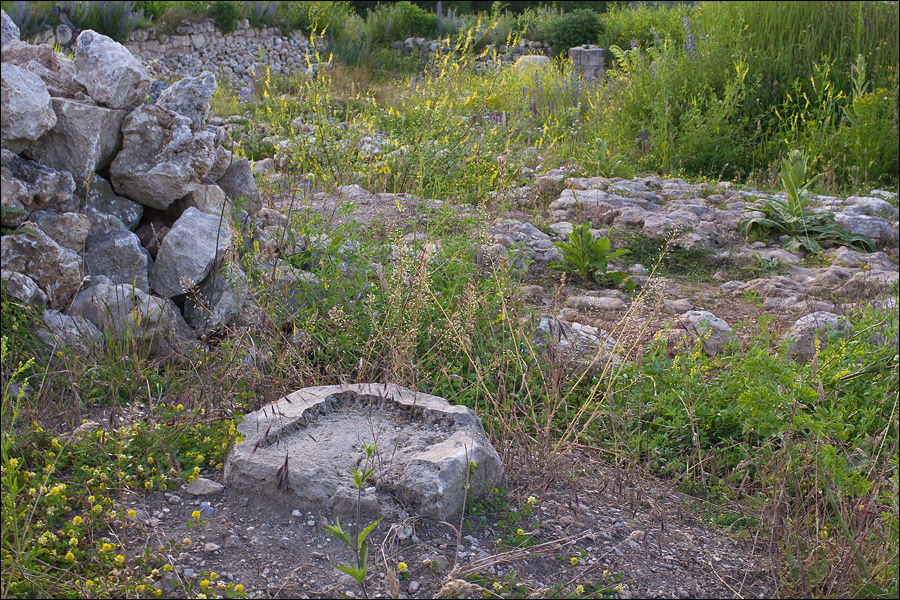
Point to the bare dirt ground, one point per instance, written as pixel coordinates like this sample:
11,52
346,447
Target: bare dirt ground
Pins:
632,536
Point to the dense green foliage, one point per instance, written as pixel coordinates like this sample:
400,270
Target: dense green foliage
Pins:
578,27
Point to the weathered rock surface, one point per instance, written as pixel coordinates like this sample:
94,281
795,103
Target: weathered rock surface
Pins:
108,71
64,330
428,450
161,159
153,324
219,300
187,253
56,71
102,198
28,186
69,229
190,98
575,341
806,330
209,199
201,486
119,256
521,244
85,138
25,102
8,30
56,270
240,187
712,332
590,303
23,288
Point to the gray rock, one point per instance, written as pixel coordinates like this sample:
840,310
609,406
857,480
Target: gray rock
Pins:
589,303
712,332
521,244
108,71
677,307
64,330
23,288
531,62
428,451
25,103
877,229
8,29
56,71
56,270
222,161
219,299
84,139
28,186
190,97
201,486
152,324
102,198
69,230
209,199
576,340
102,222
821,324
161,159
240,187
119,256
187,253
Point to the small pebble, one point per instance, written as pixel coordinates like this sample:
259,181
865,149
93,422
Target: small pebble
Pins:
414,587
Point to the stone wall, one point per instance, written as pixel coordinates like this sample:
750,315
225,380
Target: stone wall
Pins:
198,47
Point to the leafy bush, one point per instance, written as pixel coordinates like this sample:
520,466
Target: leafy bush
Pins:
805,230
260,13
224,14
317,16
114,19
397,21
573,29
589,257
30,17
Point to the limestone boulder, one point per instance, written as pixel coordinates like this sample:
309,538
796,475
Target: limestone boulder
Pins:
21,287
161,159
61,329
877,229
209,199
69,229
109,72
85,139
219,299
26,186
56,270
820,325
221,162
188,252
430,452
8,29
102,198
240,187
712,332
119,256
55,69
190,98
153,324
575,341
27,112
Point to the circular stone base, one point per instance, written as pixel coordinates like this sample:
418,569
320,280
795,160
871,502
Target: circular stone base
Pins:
302,450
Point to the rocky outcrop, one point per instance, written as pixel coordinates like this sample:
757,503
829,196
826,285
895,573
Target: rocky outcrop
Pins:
108,71
811,332
161,159
25,103
78,122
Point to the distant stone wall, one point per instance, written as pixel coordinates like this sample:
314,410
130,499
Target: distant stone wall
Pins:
494,57
198,47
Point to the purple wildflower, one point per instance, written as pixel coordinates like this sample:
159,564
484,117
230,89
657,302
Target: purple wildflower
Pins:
689,46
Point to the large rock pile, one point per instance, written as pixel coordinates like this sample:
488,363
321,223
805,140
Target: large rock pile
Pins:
119,209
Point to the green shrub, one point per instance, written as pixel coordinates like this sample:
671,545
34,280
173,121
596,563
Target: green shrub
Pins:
224,14
589,257
573,29
390,22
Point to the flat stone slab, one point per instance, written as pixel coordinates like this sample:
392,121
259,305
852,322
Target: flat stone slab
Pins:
300,451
